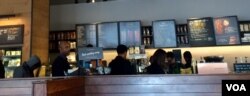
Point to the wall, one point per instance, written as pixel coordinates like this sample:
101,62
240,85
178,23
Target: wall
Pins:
23,9
64,17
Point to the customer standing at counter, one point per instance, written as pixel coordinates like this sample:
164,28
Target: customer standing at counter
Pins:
120,65
2,71
61,65
157,61
186,68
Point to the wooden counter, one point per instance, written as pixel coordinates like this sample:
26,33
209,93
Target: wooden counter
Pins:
126,85
158,85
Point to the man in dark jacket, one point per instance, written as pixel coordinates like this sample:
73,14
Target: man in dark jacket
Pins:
120,65
60,65
2,71
27,68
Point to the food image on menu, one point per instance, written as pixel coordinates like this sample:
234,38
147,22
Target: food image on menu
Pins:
226,30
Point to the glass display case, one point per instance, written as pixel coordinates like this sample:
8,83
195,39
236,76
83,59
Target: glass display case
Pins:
11,60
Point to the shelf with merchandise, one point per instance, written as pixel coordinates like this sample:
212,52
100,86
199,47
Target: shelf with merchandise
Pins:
147,36
244,32
55,37
182,35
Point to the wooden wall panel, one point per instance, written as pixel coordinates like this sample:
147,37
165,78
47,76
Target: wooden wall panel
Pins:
67,87
23,10
40,29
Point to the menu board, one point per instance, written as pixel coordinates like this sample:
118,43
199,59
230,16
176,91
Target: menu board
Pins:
108,35
130,33
11,34
201,32
86,34
164,33
227,30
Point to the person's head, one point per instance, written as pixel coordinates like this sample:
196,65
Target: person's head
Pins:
64,48
122,50
170,57
34,62
187,56
159,57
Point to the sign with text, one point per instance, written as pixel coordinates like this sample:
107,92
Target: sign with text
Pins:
242,67
90,53
235,88
108,35
11,34
164,33
130,33
201,32
86,34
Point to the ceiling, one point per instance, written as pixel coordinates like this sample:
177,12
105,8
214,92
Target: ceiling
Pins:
59,2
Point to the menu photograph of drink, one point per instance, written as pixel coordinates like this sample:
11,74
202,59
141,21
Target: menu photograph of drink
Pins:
227,30
201,32
86,34
108,35
164,33
130,33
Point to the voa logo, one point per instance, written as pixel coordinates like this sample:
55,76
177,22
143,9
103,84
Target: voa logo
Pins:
236,87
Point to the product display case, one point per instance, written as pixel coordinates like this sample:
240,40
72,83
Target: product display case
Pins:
245,32
11,60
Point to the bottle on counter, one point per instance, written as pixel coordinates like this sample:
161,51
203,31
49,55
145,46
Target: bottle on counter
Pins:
202,60
236,60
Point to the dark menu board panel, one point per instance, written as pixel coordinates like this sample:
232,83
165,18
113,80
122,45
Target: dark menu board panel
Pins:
164,33
227,30
130,33
86,34
201,32
108,35
11,34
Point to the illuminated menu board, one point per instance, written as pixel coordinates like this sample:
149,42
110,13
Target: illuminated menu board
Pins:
108,35
12,34
201,32
227,30
86,34
164,33
130,33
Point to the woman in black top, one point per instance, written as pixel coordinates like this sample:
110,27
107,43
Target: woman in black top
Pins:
158,65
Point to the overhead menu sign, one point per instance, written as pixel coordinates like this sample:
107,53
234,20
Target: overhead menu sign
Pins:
201,32
11,34
227,30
